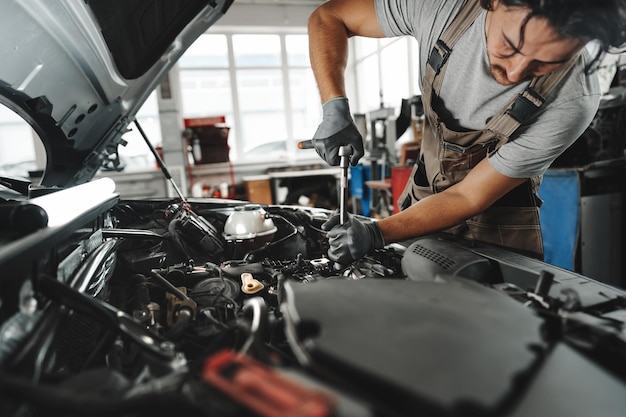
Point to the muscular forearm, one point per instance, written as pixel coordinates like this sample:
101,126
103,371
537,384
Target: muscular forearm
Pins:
482,187
328,50
330,26
429,215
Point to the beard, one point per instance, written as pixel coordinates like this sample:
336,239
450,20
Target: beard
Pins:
499,74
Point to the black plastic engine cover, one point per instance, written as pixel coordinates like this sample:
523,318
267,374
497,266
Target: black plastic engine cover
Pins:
428,257
442,347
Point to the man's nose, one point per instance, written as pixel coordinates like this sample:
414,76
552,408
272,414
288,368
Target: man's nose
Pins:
518,67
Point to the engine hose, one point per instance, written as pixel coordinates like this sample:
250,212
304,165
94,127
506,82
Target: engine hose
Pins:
89,277
255,310
172,229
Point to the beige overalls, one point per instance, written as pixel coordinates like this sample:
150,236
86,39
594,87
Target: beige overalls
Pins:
447,156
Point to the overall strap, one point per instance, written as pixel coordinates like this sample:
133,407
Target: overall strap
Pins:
438,57
522,107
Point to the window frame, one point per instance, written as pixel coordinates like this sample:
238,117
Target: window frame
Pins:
239,142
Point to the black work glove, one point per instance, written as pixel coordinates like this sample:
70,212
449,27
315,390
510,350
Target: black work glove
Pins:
353,239
337,129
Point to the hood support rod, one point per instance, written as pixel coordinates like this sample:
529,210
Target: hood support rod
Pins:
160,161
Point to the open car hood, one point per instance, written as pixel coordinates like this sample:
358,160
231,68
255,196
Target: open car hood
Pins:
78,71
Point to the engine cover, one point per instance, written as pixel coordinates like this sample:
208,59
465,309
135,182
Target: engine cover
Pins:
396,337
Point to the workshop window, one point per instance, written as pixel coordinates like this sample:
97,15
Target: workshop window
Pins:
368,93
297,50
262,83
257,50
261,107
386,71
206,92
208,51
135,155
17,145
305,104
260,92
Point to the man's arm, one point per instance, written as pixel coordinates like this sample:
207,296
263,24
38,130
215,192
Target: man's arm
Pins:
482,187
329,28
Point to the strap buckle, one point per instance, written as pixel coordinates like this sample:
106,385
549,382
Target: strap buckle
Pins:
439,55
526,105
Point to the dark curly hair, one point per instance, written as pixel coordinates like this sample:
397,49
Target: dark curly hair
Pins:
601,21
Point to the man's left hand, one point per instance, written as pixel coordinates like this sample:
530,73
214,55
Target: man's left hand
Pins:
337,129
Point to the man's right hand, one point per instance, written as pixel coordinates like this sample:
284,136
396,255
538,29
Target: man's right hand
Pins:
337,129
353,239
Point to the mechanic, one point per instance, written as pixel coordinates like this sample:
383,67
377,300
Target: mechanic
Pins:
507,86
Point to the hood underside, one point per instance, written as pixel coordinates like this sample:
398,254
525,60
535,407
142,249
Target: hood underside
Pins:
78,71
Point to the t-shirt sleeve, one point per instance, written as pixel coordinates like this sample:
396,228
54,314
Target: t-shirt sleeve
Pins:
537,146
398,17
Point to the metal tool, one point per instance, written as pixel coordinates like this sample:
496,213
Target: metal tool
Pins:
345,152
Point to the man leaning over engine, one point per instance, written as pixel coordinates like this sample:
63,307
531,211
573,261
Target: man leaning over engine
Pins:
507,86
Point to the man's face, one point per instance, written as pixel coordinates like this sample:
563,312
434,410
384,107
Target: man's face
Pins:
543,49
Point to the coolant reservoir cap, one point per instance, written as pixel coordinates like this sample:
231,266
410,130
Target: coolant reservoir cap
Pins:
248,222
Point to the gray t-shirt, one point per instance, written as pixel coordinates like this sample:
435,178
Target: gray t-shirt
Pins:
472,96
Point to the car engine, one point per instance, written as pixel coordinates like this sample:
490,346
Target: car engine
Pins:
215,307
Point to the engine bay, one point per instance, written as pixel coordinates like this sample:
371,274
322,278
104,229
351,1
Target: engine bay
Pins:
218,307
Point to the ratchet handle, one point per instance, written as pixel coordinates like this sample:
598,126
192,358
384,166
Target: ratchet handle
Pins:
306,144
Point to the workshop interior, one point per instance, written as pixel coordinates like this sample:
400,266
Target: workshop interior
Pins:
162,249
